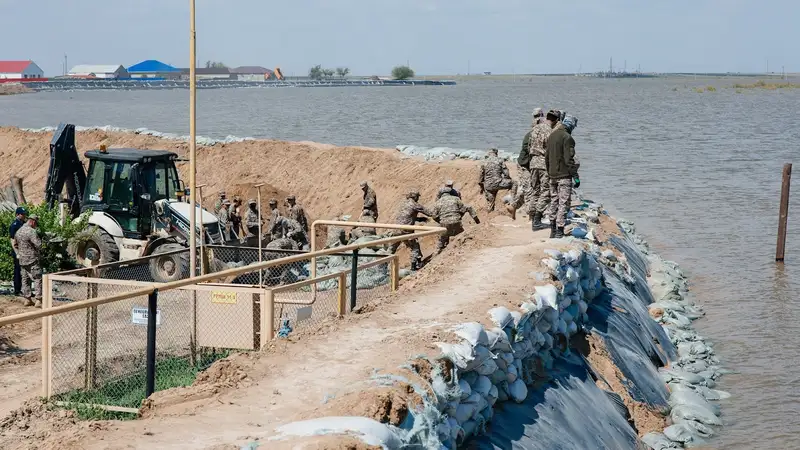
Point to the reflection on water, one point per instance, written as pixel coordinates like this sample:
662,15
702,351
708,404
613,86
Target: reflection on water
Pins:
698,173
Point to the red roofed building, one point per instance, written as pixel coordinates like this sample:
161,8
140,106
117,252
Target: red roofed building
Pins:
19,70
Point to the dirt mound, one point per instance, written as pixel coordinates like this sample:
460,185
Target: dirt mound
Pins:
34,420
389,405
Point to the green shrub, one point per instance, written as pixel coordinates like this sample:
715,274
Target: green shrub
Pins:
402,73
55,240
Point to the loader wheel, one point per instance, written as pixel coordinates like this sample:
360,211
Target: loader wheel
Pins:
172,267
93,247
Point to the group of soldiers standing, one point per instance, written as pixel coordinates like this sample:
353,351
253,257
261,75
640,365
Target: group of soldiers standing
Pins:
548,171
26,249
285,232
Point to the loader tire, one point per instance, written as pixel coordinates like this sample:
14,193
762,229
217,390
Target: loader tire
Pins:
93,247
172,267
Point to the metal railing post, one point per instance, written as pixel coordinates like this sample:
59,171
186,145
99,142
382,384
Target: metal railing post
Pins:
152,311
354,280
342,293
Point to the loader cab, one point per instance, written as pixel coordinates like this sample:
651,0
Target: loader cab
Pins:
125,183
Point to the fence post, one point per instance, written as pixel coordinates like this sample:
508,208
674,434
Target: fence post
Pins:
394,272
354,280
47,334
342,294
784,212
152,311
90,356
267,316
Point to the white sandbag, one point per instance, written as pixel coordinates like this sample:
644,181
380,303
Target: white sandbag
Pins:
574,257
370,431
669,375
572,328
659,441
487,368
501,316
517,391
461,354
701,430
551,264
465,411
517,316
547,295
493,394
712,394
512,374
682,413
466,389
472,332
481,354
498,339
573,274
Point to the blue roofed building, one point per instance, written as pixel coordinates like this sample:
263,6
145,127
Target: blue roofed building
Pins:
153,69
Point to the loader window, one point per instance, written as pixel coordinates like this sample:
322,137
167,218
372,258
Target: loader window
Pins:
95,186
120,186
165,184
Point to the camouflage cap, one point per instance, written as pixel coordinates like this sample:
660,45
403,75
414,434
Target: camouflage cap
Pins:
251,201
226,202
537,112
493,150
290,198
272,201
222,193
33,217
363,184
449,183
413,193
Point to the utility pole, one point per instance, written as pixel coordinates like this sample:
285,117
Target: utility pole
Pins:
625,66
610,66
468,66
192,142
66,68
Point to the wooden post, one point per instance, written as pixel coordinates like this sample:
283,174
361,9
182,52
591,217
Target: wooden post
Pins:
342,293
394,272
47,334
267,317
784,212
260,250
16,187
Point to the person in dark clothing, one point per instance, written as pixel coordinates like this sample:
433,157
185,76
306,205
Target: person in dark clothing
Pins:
562,169
19,221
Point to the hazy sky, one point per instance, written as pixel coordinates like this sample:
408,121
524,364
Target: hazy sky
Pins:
435,36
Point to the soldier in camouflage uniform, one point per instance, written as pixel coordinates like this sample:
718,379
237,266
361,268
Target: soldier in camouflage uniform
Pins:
274,213
218,203
408,215
296,212
285,227
562,170
494,176
252,218
370,201
448,211
448,188
28,247
224,219
538,183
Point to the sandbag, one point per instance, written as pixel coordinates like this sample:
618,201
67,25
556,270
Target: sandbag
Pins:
693,400
472,332
461,354
517,391
659,441
547,295
370,431
466,389
684,413
498,339
501,316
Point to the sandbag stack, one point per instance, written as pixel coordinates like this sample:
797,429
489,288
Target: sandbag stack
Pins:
499,363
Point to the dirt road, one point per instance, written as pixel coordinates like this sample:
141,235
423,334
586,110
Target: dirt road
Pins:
20,368
306,377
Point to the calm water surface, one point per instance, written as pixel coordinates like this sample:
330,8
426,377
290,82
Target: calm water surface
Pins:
698,173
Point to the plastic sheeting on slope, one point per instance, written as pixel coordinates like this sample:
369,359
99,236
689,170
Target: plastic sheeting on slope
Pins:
571,412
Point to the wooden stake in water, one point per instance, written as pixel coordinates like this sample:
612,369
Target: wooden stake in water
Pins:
784,212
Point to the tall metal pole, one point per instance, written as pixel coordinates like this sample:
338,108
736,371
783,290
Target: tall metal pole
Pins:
260,252
192,142
783,215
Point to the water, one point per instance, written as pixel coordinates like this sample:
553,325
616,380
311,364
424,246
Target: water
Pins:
698,173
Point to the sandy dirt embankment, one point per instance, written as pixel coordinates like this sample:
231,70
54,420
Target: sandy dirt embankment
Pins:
13,88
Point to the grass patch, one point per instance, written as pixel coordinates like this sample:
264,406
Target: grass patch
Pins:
129,391
761,84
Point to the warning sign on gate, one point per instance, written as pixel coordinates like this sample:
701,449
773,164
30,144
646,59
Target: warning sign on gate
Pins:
223,297
139,316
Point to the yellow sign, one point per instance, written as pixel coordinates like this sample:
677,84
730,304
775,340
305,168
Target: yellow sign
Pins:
223,297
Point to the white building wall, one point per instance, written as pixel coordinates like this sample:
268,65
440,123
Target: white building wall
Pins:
12,76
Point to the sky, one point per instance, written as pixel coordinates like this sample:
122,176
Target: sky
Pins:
433,36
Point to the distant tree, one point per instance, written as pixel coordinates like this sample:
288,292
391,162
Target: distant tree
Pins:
316,72
402,73
328,73
342,71
215,65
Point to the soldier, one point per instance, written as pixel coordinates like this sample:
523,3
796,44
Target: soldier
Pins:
20,219
252,218
537,184
235,213
28,248
370,201
448,188
538,117
562,170
218,203
494,176
359,232
296,212
448,211
224,219
285,227
274,213
408,216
